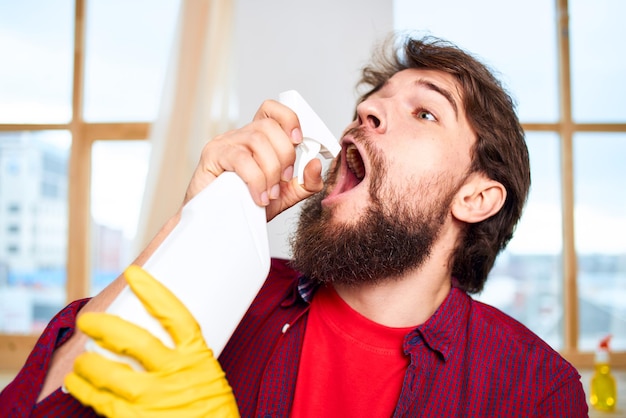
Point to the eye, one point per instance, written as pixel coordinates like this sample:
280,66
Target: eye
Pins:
425,114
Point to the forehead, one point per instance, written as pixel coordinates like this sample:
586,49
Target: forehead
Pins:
412,74
412,79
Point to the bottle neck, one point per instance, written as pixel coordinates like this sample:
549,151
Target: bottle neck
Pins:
602,356
602,362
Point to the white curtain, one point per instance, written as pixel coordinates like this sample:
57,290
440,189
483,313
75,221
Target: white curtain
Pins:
197,103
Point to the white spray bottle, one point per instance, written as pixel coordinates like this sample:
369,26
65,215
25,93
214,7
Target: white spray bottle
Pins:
217,257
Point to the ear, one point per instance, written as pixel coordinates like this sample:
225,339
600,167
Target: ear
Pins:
478,199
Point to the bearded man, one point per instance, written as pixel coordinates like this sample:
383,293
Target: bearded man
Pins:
372,316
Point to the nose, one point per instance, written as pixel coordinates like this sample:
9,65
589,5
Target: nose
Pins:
371,114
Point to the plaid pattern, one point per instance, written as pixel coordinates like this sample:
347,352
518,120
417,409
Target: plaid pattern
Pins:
467,360
18,399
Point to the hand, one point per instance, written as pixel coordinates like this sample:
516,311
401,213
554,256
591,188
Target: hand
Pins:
262,153
186,381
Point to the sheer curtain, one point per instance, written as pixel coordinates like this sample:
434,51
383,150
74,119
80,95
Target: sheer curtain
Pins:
197,103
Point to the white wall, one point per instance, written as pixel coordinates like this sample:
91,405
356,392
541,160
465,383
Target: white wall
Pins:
316,47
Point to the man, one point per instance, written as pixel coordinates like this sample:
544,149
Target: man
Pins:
372,316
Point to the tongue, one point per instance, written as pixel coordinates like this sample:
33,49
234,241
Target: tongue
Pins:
349,182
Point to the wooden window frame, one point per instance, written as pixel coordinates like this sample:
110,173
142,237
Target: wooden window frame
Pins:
15,348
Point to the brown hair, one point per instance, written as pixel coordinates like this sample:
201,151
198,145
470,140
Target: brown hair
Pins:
499,152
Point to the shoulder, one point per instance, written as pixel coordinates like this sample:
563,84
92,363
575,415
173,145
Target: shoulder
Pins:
281,279
19,397
279,289
521,364
495,325
281,270
510,343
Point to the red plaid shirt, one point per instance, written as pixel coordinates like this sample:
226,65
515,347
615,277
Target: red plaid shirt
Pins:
467,360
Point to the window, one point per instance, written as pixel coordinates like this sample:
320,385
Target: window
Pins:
119,170
600,225
14,208
564,272
71,131
65,124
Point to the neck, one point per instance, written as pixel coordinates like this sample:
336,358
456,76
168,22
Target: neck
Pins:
398,302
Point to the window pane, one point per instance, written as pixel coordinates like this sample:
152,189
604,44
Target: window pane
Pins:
600,216
33,228
36,46
127,49
526,280
518,39
119,171
597,34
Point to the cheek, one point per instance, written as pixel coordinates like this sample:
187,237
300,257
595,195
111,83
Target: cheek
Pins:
423,172
417,162
433,160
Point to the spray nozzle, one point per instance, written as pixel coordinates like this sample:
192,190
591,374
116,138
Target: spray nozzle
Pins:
317,138
604,343
602,353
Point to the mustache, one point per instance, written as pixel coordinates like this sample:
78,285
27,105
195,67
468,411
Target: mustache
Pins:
358,134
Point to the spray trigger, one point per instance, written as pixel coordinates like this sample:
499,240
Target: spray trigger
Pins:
317,138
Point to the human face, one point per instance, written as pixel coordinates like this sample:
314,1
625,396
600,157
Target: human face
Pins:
412,131
402,213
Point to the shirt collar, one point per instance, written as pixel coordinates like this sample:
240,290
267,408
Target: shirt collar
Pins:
438,332
442,329
306,288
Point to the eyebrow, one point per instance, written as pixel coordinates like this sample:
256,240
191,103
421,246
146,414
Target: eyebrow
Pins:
445,93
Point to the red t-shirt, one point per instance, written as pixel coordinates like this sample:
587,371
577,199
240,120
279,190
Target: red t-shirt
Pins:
350,366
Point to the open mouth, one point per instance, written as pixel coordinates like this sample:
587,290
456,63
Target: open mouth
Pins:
355,162
352,173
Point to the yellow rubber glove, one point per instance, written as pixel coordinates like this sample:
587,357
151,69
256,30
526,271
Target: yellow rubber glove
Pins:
186,381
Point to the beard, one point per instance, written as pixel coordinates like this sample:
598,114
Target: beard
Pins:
395,235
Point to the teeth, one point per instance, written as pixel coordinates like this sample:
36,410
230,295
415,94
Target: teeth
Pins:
355,163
